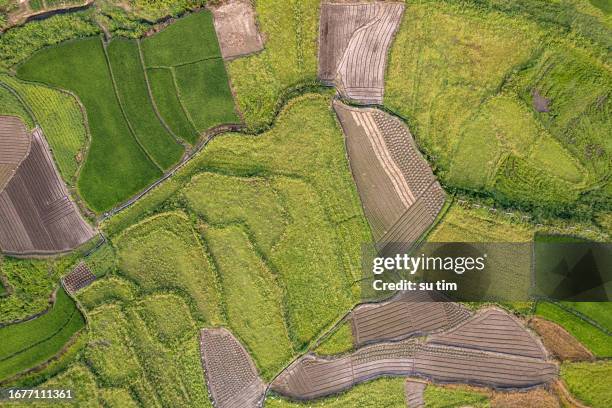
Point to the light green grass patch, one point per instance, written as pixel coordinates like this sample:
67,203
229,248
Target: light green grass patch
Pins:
224,199
593,338
10,105
109,353
252,298
383,392
163,252
600,312
204,91
289,58
444,397
106,290
168,104
167,317
77,378
551,156
340,341
116,167
188,39
117,398
589,382
134,96
62,122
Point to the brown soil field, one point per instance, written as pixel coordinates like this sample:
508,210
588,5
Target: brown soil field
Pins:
79,278
405,315
493,329
236,28
37,215
313,377
400,195
14,147
354,39
559,342
230,373
414,393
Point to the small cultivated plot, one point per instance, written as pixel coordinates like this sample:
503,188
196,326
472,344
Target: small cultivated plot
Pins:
204,91
116,166
289,58
224,199
340,341
599,342
10,105
134,97
164,253
106,290
169,105
108,351
33,342
252,298
456,396
61,120
167,317
383,392
589,382
188,39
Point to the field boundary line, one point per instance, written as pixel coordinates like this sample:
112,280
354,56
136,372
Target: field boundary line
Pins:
123,113
152,100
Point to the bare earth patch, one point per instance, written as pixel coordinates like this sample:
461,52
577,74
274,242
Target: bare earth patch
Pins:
559,342
79,278
537,397
236,28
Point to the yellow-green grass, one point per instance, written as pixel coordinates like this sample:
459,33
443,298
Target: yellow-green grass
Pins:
61,120
444,62
134,97
252,298
102,260
593,338
589,382
32,282
116,166
340,341
222,199
109,289
117,398
446,397
548,154
289,58
169,105
189,39
204,91
383,392
10,105
577,85
164,253
109,354
167,317
27,344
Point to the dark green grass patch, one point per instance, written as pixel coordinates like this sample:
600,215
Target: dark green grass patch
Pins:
204,90
27,344
189,39
600,312
169,105
116,167
596,340
134,96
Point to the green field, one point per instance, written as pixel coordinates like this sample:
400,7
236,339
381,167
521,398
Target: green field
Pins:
593,338
189,39
340,341
169,105
134,97
116,166
61,120
204,91
30,343
10,105
288,60
443,397
589,382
